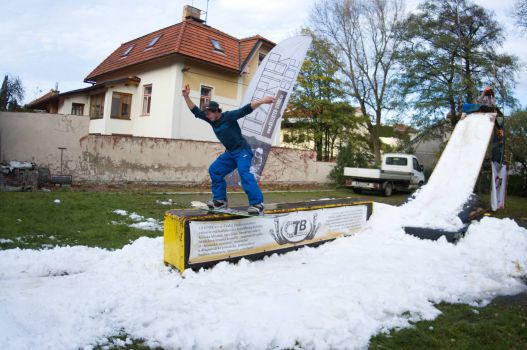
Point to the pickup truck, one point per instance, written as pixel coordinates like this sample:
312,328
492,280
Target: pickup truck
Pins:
398,172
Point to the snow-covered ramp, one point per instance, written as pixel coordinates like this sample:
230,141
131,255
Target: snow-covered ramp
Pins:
437,204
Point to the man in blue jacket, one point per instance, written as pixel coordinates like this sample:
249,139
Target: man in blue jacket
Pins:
238,153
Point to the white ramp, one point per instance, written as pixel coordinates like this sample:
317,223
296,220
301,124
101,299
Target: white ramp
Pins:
438,203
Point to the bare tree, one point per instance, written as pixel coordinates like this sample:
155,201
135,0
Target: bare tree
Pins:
367,35
520,13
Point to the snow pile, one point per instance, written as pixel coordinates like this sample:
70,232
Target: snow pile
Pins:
335,296
437,204
168,202
149,224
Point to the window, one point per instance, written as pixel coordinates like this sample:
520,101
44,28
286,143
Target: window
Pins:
127,51
97,106
147,99
153,41
206,95
121,105
416,165
216,44
77,109
396,161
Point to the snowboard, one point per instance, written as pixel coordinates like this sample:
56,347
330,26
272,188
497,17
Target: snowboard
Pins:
241,213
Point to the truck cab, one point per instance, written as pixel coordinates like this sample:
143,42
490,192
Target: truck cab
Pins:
399,172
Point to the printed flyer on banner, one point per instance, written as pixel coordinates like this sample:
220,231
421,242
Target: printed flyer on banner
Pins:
210,241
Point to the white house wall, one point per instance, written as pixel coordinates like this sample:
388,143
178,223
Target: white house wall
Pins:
66,103
159,122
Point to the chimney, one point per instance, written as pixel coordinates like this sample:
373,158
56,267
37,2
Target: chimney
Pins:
192,13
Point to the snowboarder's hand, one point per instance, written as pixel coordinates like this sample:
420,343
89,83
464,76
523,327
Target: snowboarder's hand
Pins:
268,99
186,91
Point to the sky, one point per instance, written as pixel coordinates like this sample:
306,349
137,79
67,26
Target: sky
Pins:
62,41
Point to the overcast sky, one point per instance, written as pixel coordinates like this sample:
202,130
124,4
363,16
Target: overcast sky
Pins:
61,41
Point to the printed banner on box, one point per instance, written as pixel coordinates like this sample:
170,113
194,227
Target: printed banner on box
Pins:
210,241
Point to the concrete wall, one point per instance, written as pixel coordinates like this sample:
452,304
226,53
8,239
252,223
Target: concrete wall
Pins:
110,158
35,137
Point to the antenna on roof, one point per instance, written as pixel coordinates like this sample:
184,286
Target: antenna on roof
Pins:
207,11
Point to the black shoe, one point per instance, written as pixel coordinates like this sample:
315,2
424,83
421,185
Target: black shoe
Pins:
256,209
217,204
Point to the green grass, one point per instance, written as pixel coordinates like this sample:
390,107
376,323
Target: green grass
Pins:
497,326
32,220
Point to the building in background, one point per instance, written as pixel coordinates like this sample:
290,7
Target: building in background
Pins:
136,90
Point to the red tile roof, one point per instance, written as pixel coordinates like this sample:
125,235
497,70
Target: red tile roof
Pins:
188,38
52,94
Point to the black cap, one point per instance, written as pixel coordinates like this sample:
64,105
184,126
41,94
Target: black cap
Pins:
213,105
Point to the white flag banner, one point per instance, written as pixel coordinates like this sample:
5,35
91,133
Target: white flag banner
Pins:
276,76
498,186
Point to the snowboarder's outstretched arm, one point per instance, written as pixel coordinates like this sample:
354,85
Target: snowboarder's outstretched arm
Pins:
247,109
198,113
186,93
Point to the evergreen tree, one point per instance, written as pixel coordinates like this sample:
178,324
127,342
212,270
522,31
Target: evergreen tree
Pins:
4,94
450,55
11,94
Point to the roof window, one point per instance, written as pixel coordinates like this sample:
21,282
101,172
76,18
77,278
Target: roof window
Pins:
216,44
127,51
153,41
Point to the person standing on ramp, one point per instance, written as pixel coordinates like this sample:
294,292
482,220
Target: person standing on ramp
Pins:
238,153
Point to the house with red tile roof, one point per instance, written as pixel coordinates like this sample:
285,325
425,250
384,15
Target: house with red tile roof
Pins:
137,89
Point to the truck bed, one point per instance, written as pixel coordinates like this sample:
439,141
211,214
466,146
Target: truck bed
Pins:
376,174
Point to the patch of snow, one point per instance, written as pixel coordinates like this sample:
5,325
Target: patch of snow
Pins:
56,201
120,212
197,204
5,240
150,225
168,202
136,217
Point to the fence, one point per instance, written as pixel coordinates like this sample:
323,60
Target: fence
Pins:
38,138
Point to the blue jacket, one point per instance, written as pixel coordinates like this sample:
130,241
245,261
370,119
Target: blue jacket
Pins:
226,127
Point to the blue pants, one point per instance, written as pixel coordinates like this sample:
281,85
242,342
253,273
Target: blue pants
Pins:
224,165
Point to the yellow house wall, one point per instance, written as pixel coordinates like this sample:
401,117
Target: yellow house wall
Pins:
225,92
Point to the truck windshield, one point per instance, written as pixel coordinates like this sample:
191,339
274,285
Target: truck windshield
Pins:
396,161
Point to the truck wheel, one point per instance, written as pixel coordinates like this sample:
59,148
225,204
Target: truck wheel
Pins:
388,189
357,190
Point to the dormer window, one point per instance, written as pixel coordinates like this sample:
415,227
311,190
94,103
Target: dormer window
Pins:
216,44
153,41
125,54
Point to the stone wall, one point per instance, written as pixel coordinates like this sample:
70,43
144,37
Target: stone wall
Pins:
37,137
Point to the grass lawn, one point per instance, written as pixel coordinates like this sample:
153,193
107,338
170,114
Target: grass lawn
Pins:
84,217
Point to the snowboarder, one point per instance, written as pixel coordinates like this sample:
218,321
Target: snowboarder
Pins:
487,97
238,153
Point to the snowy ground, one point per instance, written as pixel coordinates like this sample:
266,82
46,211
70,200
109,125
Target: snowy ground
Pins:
335,296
